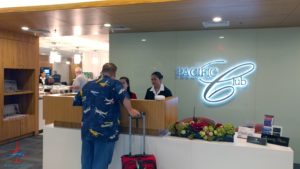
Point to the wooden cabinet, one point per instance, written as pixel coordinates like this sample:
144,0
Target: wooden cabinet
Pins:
159,115
1,133
11,129
9,52
19,59
27,125
19,54
1,100
25,98
25,54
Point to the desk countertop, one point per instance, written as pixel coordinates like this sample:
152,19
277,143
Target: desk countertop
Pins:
170,152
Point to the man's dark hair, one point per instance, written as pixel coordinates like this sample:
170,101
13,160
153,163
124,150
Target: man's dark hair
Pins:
109,68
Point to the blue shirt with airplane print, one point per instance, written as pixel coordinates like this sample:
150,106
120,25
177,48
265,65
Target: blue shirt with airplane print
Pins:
100,100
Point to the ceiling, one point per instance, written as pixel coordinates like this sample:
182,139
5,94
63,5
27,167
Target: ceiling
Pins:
48,5
168,16
68,45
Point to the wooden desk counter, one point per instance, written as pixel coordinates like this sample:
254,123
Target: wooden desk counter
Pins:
59,109
159,114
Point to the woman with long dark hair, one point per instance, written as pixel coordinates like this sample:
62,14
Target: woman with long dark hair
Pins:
126,85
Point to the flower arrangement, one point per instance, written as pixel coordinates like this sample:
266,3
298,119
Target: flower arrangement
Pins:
203,130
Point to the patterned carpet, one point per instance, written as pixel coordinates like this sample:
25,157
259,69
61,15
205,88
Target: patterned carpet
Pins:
24,154
28,154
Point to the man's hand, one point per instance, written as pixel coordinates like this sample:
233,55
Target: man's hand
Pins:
134,113
75,87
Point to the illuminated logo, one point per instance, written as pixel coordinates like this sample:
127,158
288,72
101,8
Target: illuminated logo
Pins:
219,86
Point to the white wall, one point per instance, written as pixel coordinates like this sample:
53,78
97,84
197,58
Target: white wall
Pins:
88,64
63,69
273,88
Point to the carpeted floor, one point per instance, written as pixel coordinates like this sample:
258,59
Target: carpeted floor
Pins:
24,154
28,154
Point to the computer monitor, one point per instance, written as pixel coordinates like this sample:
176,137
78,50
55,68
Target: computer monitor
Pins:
47,71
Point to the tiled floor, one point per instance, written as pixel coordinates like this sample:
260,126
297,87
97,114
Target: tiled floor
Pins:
29,155
24,154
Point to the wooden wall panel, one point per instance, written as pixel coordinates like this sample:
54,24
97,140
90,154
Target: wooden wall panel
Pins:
9,52
1,132
18,37
27,125
18,54
25,55
44,61
80,5
33,62
159,114
60,108
171,112
172,16
1,91
11,129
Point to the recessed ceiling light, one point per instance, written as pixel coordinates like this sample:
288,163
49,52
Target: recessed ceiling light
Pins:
221,37
77,30
107,25
77,58
25,28
95,60
217,19
212,24
143,40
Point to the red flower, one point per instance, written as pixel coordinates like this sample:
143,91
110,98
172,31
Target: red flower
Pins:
219,125
197,127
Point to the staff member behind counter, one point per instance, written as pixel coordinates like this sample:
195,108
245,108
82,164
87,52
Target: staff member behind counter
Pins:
44,80
126,85
158,88
79,81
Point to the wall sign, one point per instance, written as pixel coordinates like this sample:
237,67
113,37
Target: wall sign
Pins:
220,86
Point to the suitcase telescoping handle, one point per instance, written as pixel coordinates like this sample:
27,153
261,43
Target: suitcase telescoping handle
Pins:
143,117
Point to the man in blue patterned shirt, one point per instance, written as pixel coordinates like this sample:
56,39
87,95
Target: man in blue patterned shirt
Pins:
100,100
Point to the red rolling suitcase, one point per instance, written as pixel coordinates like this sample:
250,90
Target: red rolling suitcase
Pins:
139,161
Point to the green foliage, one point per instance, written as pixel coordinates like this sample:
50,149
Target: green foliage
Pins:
229,128
207,131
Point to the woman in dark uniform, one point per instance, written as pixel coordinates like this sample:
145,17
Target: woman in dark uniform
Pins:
42,78
158,88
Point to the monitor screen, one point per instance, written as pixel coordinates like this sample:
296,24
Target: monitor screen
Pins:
47,70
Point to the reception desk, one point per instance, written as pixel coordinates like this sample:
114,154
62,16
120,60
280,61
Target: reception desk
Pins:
62,141
159,115
62,150
59,109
